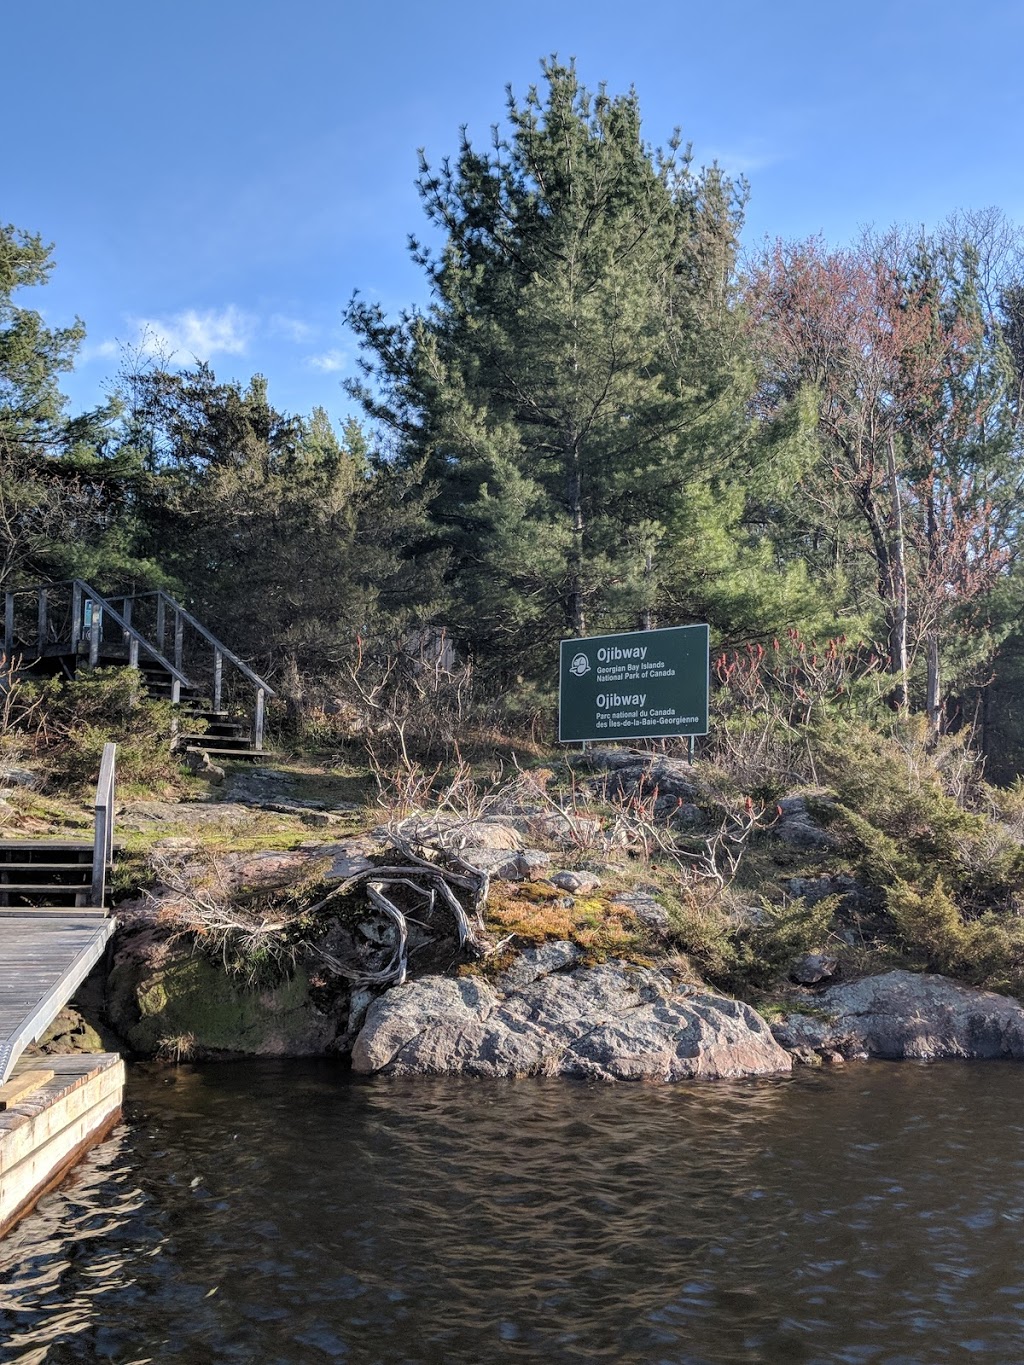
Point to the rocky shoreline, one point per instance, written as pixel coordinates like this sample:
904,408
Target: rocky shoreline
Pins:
551,1014
553,1006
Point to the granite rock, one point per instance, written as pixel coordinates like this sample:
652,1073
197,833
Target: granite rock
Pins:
908,1015
550,1017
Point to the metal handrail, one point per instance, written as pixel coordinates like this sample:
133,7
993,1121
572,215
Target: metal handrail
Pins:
103,839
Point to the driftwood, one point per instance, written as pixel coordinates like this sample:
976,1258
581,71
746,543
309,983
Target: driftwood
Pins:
430,881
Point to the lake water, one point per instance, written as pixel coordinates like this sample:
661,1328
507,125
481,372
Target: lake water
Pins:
286,1212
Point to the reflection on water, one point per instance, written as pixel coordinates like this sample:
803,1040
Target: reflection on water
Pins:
284,1212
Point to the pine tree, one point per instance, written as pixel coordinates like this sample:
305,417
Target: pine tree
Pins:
575,393
46,500
287,540
32,355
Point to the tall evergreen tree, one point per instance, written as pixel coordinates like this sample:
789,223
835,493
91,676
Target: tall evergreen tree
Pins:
46,499
284,538
32,355
575,393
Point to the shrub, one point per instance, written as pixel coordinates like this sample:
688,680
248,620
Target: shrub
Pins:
766,948
107,705
988,950
912,810
929,924
747,951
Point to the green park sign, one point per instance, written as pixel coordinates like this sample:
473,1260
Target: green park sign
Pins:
649,684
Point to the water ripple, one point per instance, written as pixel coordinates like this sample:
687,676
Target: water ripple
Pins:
284,1212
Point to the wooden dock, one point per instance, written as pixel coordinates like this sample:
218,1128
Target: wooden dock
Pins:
43,960
67,1108
54,929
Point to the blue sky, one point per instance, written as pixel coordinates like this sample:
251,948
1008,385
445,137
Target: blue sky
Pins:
224,173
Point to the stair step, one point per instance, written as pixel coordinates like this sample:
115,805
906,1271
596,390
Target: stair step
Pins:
51,911
237,753
46,867
216,741
37,888
222,731
46,845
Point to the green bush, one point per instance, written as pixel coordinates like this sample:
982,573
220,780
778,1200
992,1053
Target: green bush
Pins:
764,951
108,705
913,809
753,953
988,950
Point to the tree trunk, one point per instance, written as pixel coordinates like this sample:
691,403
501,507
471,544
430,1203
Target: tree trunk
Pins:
898,576
577,613
934,698
887,543
646,617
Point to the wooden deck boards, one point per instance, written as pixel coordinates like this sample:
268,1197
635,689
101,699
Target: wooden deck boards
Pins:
44,1132
43,961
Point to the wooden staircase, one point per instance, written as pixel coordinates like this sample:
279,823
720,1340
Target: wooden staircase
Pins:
62,877
56,875
59,628
54,924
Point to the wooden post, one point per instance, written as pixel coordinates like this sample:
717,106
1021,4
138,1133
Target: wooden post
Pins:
9,624
43,626
261,699
110,796
103,841
99,866
133,651
76,617
218,678
161,622
126,612
95,630
179,640
175,691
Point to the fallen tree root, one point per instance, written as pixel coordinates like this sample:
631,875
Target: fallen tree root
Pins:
424,880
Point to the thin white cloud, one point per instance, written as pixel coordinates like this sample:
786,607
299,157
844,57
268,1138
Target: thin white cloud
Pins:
293,329
225,331
330,362
740,161
100,350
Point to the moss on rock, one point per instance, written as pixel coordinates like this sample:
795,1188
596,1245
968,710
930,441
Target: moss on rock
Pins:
184,1004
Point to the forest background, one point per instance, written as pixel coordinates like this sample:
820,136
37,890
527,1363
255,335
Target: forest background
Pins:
606,418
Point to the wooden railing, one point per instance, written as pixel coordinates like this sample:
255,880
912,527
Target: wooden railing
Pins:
73,617
103,840
207,660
